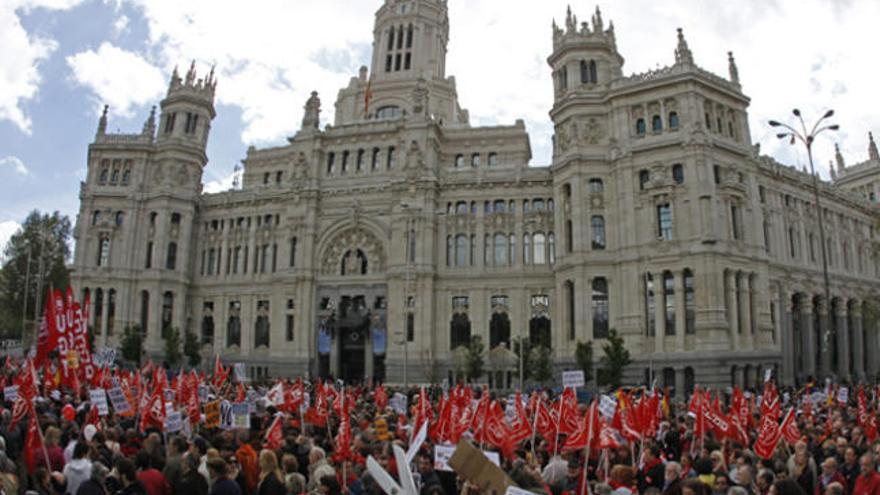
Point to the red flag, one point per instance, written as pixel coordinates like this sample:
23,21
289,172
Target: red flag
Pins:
867,421
47,338
789,428
220,374
317,413
768,437
294,397
545,424
33,445
380,397
154,412
567,410
275,435
240,394
520,429
423,411
609,438
495,431
587,433
191,399
343,437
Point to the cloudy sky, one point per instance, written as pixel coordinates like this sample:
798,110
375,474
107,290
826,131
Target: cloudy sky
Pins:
63,59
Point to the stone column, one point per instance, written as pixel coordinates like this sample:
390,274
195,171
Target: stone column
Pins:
843,342
678,283
105,313
659,314
785,322
732,310
872,348
745,311
808,346
858,342
679,382
824,355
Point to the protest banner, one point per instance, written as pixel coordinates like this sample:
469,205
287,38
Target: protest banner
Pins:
98,398
212,414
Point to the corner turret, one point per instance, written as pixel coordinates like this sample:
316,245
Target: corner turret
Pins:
188,109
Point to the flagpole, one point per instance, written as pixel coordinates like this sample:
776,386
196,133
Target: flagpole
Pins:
558,423
584,484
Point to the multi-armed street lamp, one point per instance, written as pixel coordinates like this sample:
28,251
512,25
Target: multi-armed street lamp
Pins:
808,138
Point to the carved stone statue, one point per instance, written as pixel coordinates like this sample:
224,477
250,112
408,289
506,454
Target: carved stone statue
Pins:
312,115
420,97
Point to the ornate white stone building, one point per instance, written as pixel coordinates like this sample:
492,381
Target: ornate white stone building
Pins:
401,222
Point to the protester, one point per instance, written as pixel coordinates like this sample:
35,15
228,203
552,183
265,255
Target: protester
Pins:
79,469
271,480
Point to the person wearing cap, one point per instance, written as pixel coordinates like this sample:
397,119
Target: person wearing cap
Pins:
829,475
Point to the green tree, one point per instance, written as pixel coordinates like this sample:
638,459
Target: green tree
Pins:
541,364
583,355
132,344
191,349
35,256
616,358
172,347
474,358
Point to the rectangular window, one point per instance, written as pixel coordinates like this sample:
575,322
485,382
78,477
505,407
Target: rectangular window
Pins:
669,302
569,285
149,263
650,322
289,328
734,222
263,256
292,252
410,327
274,257
169,122
664,221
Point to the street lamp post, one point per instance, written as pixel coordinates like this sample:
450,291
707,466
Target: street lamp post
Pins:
808,138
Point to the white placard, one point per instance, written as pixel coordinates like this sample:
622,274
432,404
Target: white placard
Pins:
417,442
573,378
98,398
843,395
173,422
607,406
442,454
10,393
398,403
768,374
241,415
119,400
104,356
240,373
203,393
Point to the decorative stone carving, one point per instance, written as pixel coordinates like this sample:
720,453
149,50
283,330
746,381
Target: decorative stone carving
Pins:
592,131
351,240
420,97
312,115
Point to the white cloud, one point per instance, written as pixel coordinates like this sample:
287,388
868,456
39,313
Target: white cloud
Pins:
119,78
7,230
15,164
219,185
120,25
271,53
22,54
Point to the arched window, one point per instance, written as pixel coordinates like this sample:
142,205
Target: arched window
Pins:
391,39
656,123
409,36
473,252
391,158
167,312
95,217
650,304
487,250
540,255
208,323
111,310
126,176
145,311
459,161
690,304
104,172
594,76
450,250
475,160
673,120
331,162
362,262
540,329
499,206
644,178
120,217
678,173
571,308
669,302
493,159
459,331
374,161
175,219
600,308
115,176
585,72
596,186
261,325
598,226
551,248
104,251
640,127
99,310
511,246
500,250
461,250
171,256
499,330
388,112
461,208
527,249
233,325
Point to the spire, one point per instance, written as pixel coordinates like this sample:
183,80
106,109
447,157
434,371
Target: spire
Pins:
150,123
872,148
102,122
683,53
570,21
731,67
612,39
831,168
597,21
210,79
839,158
191,74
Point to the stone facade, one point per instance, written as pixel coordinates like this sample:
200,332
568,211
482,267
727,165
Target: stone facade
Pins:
401,222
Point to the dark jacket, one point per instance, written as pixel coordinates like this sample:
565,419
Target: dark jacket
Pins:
226,486
429,480
136,488
271,485
91,487
650,476
191,483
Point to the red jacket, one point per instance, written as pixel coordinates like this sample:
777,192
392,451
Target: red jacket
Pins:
822,484
154,481
867,484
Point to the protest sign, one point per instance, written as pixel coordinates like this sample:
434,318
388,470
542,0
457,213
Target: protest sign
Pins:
241,415
227,421
473,465
10,393
119,401
173,422
98,398
573,379
212,414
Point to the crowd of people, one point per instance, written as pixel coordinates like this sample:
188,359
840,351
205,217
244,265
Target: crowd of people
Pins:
285,452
